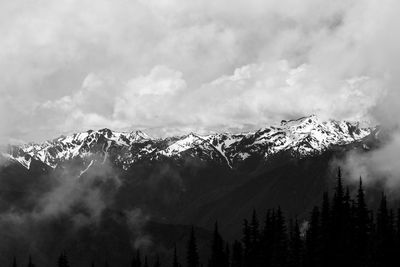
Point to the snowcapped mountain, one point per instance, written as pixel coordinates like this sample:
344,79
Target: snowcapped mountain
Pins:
302,137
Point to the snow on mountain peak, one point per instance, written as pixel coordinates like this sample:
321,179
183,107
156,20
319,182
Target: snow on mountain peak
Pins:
301,137
138,135
310,120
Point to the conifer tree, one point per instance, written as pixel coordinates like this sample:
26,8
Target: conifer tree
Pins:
295,246
361,226
338,236
157,262
254,229
347,206
192,256
398,230
267,237
325,213
175,262
136,261
326,217
62,260
338,206
246,243
255,253
348,230
384,234
338,200
237,254
313,240
279,250
218,258
227,254
30,263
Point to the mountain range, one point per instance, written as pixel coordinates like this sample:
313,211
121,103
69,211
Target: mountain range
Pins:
91,192
302,137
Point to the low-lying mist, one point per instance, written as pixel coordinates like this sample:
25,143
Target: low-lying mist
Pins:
42,215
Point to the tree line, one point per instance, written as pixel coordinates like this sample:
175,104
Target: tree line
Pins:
341,231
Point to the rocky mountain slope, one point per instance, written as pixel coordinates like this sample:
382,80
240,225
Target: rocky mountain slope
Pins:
302,137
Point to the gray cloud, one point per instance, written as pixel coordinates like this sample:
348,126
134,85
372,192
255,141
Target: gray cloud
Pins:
172,66
136,221
378,55
68,191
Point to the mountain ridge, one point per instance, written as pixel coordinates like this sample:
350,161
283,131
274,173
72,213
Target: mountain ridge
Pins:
301,137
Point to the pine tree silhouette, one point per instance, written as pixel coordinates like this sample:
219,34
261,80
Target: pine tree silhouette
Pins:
397,239
227,254
30,263
267,238
313,243
62,260
254,229
157,262
237,254
246,243
326,230
384,235
338,224
175,262
218,258
192,256
279,245
136,261
255,238
348,228
361,227
295,246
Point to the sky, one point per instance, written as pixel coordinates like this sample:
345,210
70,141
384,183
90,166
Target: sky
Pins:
175,66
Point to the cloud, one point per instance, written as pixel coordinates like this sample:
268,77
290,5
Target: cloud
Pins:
56,211
150,98
136,221
378,165
84,194
262,93
254,95
68,191
173,66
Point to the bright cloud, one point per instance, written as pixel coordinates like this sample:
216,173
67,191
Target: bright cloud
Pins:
171,66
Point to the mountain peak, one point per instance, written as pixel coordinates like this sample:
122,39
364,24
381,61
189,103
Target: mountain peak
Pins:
312,119
138,134
300,137
105,131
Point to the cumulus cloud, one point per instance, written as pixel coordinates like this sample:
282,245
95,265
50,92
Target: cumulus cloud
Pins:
174,66
252,96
